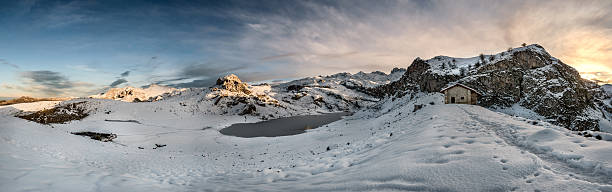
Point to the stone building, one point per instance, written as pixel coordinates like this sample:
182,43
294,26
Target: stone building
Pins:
460,94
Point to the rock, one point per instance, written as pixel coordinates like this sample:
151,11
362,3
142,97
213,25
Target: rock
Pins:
248,109
59,114
235,96
104,137
233,84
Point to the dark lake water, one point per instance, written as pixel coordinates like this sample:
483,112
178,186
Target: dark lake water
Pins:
282,126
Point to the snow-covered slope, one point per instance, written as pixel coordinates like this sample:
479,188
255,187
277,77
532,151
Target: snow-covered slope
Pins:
130,94
608,89
390,146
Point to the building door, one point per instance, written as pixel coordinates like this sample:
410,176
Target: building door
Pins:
452,99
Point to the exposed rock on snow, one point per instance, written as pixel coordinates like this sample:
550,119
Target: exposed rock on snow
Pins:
104,137
60,114
132,94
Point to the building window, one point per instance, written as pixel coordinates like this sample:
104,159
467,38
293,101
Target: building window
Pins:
462,98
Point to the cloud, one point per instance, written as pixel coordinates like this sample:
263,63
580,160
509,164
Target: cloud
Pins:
261,40
51,83
5,62
118,82
196,83
601,77
323,37
47,78
125,74
281,56
199,75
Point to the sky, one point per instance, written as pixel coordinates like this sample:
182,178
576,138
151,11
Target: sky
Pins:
79,48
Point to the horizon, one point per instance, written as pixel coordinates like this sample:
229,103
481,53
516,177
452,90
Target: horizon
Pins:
80,48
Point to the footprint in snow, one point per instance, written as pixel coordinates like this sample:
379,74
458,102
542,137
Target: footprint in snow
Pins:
441,161
504,160
469,141
448,145
457,152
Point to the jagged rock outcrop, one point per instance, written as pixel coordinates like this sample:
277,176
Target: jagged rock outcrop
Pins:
230,92
526,76
233,84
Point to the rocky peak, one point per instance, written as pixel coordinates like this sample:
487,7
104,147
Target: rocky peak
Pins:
232,83
527,76
398,70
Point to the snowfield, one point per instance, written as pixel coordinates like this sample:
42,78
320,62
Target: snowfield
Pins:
386,147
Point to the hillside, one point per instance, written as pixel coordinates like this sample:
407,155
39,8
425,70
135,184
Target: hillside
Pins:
525,81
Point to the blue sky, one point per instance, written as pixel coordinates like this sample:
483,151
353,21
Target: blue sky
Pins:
77,48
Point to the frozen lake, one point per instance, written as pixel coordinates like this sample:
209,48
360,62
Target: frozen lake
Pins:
282,126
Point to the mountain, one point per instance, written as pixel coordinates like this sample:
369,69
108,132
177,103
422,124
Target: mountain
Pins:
312,95
514,81
132,94
399,136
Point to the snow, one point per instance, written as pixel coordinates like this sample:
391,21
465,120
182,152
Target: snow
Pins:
35,106
14,109
456,64
385,147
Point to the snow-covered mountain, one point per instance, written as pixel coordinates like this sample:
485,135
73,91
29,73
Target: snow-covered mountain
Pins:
313,95
400,136
522,81
132,94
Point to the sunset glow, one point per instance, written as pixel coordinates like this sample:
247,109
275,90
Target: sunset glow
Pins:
83,48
